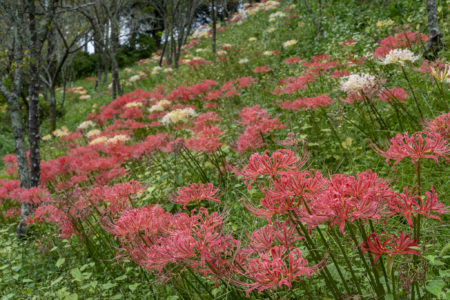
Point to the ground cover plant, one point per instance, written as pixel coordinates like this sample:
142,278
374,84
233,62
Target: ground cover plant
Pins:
291,164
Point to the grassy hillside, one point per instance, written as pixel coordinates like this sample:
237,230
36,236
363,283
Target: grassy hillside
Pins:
266,171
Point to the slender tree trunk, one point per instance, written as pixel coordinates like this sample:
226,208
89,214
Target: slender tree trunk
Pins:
64,90
53,110
116,88
12,99
52,71
99,52
106,47
33,115
15,115
161,58
434,44
214,29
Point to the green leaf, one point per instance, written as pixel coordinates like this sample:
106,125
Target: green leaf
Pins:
16,268
123,277
133,287
56,280
435,287
73,296
76,274
108,285
60,262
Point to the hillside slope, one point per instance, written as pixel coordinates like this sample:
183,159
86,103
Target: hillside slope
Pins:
260,171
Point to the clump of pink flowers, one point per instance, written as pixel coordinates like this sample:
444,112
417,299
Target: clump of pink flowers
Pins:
195,193
422,144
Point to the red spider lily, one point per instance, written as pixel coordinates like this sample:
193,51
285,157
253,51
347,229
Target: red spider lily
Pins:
205,120
196,63
258,122
347,198
352,98
148,222
292,60
196,192
440,125
261,69
33,195
293,84
118,197
10,161
340,73
427,66
262,239
392,245
404,204
308,103
421,144
431,205
206,140
7,187
250,139
298,185
196,241
51,214
244,82
396,93
271,206
400,40
252,115
213,95
279,162
276,267
13,212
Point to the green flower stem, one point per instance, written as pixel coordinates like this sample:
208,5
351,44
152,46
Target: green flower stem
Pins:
394,289
412,92
374,269
327,246
383,268
347,261
311,247
363,259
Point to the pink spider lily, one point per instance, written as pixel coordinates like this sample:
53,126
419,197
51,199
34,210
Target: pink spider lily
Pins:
280,161
441,125
275,268
195,193
392,245
422,144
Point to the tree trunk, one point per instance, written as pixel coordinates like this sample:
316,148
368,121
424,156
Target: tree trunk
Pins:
161,58
116,89
214,29
53,110
106,47
434,44
99,52
33,115
12,99
15,115
64,90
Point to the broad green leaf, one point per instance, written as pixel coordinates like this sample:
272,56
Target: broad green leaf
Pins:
435,287
108,285
133,287
76,274
73,296
60,262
